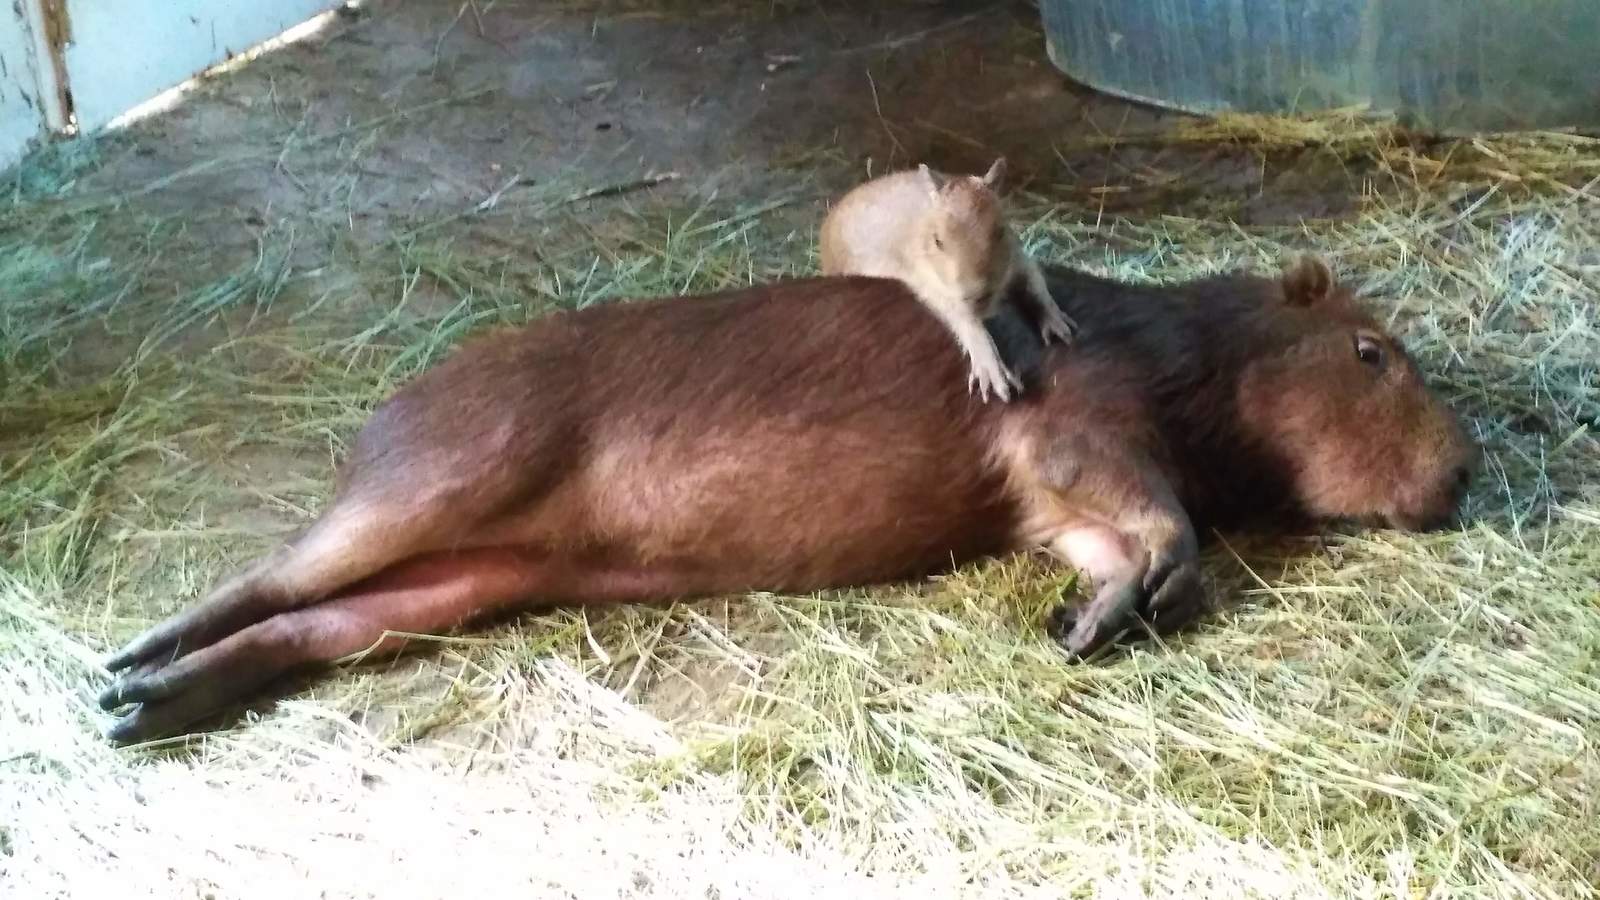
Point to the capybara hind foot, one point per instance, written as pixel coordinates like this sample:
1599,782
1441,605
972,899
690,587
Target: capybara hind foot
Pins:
167,699
1055,326
233,605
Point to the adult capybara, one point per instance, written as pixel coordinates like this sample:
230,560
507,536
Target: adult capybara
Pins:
818,433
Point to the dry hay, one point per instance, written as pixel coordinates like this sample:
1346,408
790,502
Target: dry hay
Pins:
1373,714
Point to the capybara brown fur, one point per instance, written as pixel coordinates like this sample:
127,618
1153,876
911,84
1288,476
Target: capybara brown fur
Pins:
769,438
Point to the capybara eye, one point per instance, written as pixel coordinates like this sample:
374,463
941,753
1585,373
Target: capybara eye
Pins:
1369,350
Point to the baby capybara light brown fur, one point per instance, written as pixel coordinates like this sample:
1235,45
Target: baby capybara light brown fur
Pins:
768,438
947,238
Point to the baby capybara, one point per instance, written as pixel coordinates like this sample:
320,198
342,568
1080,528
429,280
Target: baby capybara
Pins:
947,238
770,438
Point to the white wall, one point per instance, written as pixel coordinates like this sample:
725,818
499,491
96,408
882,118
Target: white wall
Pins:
123,52
22,115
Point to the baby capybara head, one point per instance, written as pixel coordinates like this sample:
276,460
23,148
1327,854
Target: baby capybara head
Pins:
963,239
1345,408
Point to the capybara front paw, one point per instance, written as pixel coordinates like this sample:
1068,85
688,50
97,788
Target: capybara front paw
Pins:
1176,596
1105,618
1078,636
1060,622
1170,597
1077,631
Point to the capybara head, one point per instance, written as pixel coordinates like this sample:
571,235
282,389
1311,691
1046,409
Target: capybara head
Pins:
1344,406
963,239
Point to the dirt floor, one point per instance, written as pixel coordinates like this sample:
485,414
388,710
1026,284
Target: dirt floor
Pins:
417,118
204,307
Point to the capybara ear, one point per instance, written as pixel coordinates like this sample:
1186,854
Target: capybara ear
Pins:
1307,282
930,178
996,174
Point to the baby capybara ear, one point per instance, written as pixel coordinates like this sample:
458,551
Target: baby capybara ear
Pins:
996,174
1308,281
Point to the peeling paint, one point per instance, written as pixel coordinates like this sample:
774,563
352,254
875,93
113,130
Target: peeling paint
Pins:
57,35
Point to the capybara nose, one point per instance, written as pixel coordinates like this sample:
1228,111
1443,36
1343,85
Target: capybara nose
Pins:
1458,488
1447,514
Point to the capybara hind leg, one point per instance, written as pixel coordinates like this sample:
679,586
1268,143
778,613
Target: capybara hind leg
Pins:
429,594
352,540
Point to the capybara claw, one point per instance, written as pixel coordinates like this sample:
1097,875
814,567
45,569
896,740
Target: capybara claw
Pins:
111,697
123,658
149,644
146,722
124,729
1176,599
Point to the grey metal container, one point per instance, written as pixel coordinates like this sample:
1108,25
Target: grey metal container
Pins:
1440,65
